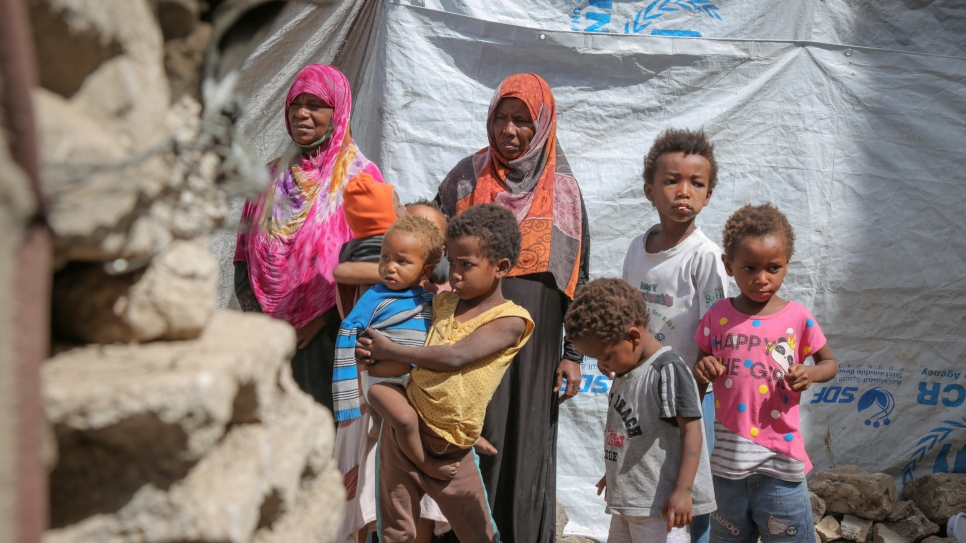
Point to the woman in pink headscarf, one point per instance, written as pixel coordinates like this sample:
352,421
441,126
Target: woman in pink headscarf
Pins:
284,261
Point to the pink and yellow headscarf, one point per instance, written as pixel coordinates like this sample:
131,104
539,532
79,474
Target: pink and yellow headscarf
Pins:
298,226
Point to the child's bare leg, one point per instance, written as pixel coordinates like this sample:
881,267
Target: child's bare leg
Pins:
389,400
387,368
483,446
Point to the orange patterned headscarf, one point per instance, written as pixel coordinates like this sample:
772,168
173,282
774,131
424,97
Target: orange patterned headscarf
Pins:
538,187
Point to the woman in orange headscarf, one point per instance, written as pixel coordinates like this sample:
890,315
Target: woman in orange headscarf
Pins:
524,170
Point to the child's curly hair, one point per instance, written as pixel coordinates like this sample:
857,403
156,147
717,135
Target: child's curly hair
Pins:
494,226
689,142
757,222
425,232
604,309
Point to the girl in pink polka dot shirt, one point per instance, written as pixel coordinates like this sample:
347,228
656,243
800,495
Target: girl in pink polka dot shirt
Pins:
754,348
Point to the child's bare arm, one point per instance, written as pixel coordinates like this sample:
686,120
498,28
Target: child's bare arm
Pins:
388,368
800,376
705,370
483,342
678,508
357,273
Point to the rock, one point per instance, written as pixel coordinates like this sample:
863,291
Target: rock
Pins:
208,440
122,184
107,58
855,528
562,520
937,539
131,416
177,18
577,539
94,209
909,522
818,507
68,46
882,534
828,529
851,491
903,510
938,495
173,298
269,482
183,58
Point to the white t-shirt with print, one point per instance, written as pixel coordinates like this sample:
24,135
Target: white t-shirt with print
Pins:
679,285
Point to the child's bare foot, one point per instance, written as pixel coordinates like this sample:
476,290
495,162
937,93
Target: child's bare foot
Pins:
440,469
483,446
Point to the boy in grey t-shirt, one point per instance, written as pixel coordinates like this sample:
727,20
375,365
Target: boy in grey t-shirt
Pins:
658,475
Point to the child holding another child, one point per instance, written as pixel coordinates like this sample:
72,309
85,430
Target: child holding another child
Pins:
754,347
475,334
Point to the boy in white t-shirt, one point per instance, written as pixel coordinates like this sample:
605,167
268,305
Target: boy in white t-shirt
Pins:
676,267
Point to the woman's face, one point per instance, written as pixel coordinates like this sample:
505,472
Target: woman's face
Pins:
308,118
512,128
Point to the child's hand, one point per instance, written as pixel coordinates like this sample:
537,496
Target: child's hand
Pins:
677,509
706,370
799,377
602,487
371,347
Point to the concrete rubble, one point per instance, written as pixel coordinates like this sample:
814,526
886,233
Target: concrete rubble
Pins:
909,522
828,529
938,495
855,529
882,534
202,440
173,422
850,491
857,506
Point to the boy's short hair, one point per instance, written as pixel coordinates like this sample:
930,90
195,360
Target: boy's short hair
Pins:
689,142
757,222
494,226
604,309
425,232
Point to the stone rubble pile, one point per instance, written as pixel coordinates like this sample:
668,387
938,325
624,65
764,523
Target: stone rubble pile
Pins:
851,505
173,422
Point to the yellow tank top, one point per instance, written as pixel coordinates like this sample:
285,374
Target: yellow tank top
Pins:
453,403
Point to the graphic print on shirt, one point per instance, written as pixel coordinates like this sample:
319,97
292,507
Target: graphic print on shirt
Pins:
631,424
654,298
783,350
626,412
779,354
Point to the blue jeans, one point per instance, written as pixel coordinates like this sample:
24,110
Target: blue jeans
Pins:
758,505
701,528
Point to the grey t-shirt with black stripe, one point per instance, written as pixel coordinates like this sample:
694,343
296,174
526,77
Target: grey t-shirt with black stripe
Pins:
642,442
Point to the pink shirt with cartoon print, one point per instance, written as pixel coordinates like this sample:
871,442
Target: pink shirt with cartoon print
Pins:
752,398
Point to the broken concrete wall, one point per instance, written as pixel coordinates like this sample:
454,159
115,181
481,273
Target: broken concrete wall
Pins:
173,422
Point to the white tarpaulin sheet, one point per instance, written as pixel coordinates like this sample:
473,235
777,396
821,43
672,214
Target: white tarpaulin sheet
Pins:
861,147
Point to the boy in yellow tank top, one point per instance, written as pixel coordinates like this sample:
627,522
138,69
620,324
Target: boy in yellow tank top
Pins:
476,332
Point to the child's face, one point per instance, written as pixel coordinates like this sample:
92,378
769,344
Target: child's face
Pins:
402,261
759,266
618,358
680,187
471,273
